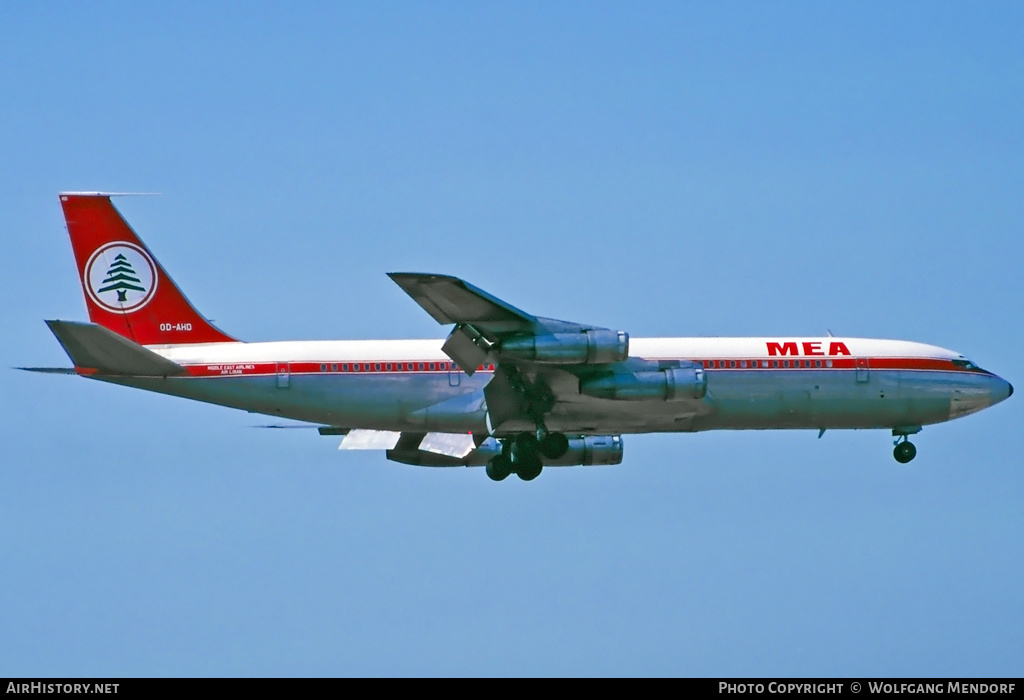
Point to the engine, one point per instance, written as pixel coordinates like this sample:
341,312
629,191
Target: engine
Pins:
590,450
676,384
588,347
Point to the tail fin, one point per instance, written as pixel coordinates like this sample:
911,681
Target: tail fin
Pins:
126,289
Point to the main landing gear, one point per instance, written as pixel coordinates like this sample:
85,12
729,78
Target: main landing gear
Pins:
522,454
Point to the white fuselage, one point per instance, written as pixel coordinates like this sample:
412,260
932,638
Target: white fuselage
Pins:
752,383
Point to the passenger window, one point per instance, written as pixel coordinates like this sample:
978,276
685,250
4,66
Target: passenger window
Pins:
732,364
828,363
344,368
323,368
431,365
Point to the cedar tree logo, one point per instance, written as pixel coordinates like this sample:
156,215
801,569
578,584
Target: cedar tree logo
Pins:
120,277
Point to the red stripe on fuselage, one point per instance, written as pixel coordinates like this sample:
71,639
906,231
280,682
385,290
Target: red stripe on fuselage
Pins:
427,367
880,363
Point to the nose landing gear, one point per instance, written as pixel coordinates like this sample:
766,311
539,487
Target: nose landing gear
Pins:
904,451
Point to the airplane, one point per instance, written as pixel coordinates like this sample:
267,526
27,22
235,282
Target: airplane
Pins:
506,389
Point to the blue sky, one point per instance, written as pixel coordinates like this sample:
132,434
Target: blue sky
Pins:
665,168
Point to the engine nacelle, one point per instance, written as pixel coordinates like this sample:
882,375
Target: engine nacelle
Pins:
590,450
677,384
588,347
583,452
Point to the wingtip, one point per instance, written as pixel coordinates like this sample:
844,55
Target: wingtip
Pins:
421,276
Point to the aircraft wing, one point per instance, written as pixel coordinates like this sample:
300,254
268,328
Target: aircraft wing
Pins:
544,367
452,300
487,327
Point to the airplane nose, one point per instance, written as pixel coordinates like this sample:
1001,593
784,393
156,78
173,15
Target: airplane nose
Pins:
1001,391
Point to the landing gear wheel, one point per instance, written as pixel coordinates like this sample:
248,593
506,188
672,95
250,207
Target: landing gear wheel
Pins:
529,468
553,445
524,445
499,468
904,452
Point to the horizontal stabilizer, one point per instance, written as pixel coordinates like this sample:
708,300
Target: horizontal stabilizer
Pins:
93,347
369,440
49,370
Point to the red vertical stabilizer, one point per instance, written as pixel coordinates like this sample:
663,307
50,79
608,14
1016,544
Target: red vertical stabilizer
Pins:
125,288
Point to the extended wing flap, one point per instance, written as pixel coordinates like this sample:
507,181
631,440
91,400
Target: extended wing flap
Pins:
467,348
369,440
456,445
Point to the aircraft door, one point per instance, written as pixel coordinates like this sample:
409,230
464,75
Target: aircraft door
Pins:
862,365
284,375
454,374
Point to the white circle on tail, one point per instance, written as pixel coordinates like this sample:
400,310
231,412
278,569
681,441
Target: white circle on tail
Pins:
120,277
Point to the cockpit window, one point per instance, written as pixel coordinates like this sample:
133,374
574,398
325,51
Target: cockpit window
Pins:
966,364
